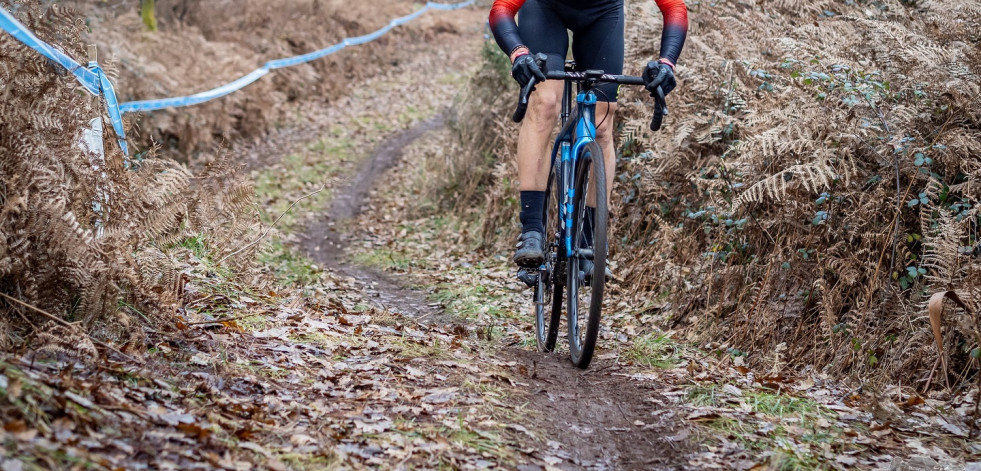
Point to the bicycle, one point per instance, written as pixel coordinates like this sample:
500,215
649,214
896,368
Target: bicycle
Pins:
569,183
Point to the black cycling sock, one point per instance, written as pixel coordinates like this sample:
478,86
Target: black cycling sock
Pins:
587,227
532,203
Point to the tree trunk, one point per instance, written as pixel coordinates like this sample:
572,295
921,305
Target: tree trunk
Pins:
147,11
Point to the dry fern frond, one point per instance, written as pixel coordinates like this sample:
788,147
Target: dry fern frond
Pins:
80,235
811,177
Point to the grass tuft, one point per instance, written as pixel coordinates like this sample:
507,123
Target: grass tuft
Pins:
654,351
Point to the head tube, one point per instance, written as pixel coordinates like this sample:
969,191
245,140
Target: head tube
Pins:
586,126
587,97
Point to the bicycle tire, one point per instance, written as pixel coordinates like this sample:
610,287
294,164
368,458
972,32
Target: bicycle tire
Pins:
590,170
548,290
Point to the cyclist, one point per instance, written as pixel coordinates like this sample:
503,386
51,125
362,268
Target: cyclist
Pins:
597,43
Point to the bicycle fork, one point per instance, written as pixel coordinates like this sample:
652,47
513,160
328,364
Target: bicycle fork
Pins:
566,192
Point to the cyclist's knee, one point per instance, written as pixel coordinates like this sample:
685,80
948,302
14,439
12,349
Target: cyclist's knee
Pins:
543,107
604,116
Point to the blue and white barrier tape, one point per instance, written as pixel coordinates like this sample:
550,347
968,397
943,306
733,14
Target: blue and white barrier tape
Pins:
105,86
96,83
88,79
151,105
92,79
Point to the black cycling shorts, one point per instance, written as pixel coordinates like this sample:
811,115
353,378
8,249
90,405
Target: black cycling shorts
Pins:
597,35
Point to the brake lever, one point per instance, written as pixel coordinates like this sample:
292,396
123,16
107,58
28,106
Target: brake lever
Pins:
660,109
519,112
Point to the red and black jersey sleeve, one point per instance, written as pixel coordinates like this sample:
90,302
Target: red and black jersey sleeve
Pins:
503,26
673,36
675,28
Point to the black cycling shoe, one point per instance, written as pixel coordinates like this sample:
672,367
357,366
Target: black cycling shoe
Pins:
528,276
529,253
586,268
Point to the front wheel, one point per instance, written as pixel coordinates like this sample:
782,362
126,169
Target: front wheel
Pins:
587,266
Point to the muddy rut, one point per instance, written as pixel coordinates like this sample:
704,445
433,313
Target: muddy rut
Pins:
326,240
596,419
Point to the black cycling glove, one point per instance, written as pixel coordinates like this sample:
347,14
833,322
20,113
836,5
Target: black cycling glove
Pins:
525,68
658,74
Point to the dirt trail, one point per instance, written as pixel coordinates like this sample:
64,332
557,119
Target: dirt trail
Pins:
596,419
326,241
604,419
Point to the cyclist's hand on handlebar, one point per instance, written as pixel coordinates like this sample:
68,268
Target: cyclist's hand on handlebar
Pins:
525,67
658,74
659,80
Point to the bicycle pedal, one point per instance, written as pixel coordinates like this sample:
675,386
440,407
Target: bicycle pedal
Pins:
528,277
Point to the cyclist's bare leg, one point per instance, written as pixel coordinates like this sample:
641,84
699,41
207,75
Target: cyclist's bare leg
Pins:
535,135
604,136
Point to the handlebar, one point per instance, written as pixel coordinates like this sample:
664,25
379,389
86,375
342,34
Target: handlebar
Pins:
660,107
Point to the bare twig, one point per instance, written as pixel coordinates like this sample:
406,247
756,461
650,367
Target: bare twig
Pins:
22,316
219,321
39,311
271,226
895,158
882,254
66,324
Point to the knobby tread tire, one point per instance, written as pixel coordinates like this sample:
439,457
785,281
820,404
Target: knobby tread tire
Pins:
590,168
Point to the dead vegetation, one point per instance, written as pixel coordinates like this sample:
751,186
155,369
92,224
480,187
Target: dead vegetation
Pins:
817,182
202,45
87,244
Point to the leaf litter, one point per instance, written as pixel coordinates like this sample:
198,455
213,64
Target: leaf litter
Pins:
324,376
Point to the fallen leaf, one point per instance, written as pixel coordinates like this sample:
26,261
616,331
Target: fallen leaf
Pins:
14,388
702,414
256,448
954,429
79,400
552,460
440,396
194,430
732,389
302,439
12,464
913,400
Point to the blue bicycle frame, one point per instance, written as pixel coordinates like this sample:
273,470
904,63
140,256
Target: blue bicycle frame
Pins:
575,135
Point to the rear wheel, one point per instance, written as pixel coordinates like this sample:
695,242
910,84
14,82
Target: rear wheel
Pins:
548,290
586,300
